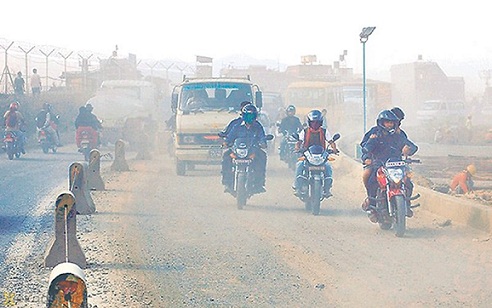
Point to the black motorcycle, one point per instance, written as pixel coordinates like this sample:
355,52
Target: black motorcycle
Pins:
312,178
289,153
244,175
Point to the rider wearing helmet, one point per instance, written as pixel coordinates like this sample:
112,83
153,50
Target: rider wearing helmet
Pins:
383,141
248,128
235,121
14,121
289,125
314,134
46,121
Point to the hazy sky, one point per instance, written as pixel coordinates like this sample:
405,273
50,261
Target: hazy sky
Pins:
267,29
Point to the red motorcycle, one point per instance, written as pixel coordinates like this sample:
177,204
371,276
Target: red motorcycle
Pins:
392,200
87,139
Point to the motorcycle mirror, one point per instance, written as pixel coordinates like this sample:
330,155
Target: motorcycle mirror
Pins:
336,137
269,137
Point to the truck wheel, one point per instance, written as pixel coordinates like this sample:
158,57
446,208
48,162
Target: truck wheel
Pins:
180,167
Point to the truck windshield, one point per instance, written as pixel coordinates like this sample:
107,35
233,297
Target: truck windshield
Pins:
214,96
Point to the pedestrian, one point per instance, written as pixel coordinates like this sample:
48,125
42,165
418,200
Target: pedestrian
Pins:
19,85
35,83
462,182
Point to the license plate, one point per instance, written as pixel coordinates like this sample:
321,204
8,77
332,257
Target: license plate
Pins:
215,153
242,161
319,168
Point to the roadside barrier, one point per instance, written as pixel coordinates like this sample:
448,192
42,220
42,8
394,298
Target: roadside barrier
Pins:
144,148
94,179
67,287
65,246
119,163
78,185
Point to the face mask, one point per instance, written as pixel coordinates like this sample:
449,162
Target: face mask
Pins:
249,117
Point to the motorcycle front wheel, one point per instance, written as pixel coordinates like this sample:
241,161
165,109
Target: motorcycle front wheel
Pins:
316,197
241,193
400,210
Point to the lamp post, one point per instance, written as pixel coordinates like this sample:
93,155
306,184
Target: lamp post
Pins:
364,36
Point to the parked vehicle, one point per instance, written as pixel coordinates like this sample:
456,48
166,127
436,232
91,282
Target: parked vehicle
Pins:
440,111
313,176
244,175
392,202
11,144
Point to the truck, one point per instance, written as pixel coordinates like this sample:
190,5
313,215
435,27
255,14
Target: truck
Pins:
202,108
125,107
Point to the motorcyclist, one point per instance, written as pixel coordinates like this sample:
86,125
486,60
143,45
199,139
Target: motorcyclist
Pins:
14,122
314,134
87,121
248,128
235,121
381,142
289,125
46,120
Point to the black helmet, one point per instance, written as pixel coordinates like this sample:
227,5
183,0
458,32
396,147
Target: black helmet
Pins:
89,107
315,119
398,113
387,115
291,109
243,104
249,113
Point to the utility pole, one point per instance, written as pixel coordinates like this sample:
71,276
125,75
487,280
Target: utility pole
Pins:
85,69
27,68
47,55
6,71
65,64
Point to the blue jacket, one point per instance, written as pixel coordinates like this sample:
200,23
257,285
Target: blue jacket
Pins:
231,125
255,131
385,145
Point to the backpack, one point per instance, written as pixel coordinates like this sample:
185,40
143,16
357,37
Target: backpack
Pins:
41,118
11,120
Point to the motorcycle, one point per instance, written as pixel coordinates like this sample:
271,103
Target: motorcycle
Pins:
11,144
244,176
392,202
86,138
313,177
290,156
46,141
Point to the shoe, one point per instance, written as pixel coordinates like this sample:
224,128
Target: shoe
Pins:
409,212
228,189
327,194
373,217
258,190
59,145
365,205
23,151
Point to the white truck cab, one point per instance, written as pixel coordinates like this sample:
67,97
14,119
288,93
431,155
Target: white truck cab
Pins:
203,107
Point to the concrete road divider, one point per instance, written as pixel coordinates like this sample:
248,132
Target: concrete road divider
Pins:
119,163
143,148
94,178
79,186
65,246
67,287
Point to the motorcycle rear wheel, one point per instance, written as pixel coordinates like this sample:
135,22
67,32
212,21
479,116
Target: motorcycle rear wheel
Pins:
10,150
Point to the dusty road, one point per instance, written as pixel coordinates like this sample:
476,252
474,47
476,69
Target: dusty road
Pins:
168,241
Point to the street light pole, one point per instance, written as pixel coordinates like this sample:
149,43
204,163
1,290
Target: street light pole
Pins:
364,36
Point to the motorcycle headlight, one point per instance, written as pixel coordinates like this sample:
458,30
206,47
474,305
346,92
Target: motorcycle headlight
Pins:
395,175
316,159
242,153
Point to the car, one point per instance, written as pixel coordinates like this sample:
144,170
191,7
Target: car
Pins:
442,111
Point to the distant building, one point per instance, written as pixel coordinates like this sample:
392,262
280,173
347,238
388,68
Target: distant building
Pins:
419,81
